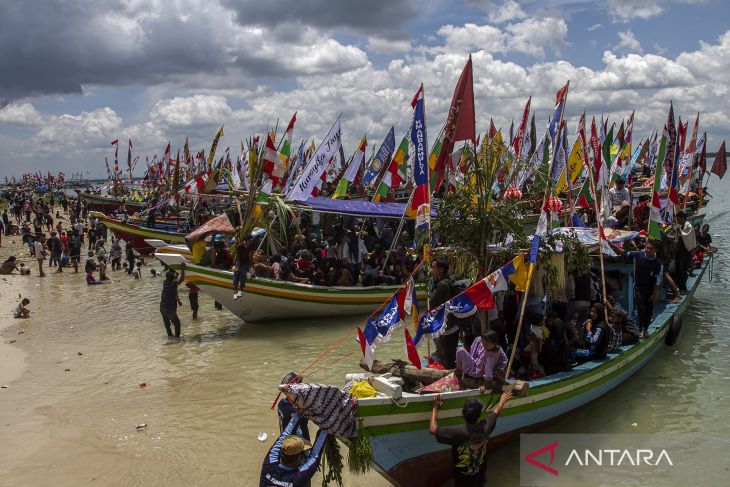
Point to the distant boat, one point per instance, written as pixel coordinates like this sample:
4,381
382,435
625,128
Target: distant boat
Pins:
137,234
109,204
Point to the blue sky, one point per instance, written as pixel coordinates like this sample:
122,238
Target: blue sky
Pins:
76,76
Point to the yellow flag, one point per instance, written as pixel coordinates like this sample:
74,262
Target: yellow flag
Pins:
575,166
519,278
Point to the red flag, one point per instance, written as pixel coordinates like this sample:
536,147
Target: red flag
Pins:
411,351
561,93
115,142
414,102
367,351
517,143
492,129
596,148
719,166
460,121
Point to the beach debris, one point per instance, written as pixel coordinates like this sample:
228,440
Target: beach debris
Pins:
635,425
68,370
4,386
12,341
21,332
141,426
143,385
262,436
80,353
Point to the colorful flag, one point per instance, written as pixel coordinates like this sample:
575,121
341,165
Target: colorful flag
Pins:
285,152
719,165
381,159
421,198
411,350
477,297
317,165
522,130
273,167
395,173
655,211
353,169
366,347
460,120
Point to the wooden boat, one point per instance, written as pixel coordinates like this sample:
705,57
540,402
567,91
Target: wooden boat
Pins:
109,204
136,234
269,299
407,455
162,247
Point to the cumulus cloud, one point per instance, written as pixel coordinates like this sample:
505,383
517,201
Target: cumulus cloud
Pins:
628,43
191,111
509,10
23,114
536,35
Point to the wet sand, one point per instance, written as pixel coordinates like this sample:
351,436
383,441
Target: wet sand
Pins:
208,396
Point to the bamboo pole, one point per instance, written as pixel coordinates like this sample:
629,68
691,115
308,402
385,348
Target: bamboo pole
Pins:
531,269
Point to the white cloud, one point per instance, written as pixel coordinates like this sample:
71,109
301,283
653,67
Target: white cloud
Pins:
372,97
509,10
534,36
190,111
628,43
470,37
23,114
380,45
594,27
625,10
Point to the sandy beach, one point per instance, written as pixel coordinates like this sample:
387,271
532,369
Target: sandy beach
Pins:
206,402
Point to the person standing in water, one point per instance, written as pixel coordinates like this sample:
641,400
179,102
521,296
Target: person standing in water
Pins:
169,300
40,254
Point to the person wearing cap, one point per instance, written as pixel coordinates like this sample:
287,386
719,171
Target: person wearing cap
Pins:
292,460
469,440
285,409
244,256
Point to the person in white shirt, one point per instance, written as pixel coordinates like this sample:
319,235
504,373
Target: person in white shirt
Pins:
21,311
40,254
618,194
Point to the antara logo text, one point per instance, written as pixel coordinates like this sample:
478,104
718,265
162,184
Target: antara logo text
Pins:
600,458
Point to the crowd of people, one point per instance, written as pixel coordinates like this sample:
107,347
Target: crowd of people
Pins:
353,255
581,326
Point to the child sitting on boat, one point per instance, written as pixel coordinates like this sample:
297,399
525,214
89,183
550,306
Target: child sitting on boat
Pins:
484,362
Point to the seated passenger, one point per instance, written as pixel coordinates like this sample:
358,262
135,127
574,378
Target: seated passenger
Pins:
555,353
615,330
484,361
629,331
596,335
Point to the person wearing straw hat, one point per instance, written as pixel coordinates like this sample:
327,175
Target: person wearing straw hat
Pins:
292,460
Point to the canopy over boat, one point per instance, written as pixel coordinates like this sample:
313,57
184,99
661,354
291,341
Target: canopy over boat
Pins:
357,208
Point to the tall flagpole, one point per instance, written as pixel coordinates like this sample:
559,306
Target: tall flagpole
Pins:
531,268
